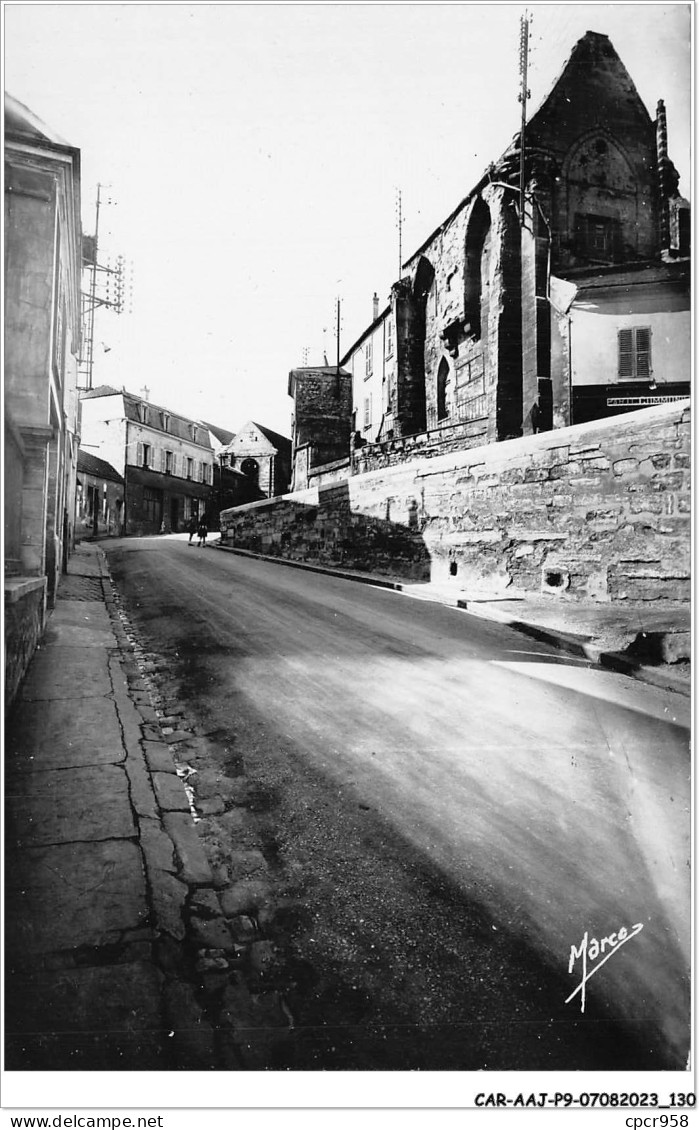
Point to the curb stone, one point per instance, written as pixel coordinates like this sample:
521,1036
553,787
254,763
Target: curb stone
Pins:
613,661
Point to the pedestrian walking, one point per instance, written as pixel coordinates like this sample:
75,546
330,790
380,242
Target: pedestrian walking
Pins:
193,528
201,533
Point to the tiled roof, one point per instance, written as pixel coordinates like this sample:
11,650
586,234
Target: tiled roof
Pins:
279,441
101,390
222,435
91,465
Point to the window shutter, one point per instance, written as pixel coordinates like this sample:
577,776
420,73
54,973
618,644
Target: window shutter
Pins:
162,460
626,353
139,454
643,353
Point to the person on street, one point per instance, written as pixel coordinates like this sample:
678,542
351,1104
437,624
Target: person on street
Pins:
201,533
193,529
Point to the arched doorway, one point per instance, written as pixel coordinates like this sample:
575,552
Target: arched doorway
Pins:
251,469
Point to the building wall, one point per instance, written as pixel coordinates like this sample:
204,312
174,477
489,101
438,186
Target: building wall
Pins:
273,470
322,417
595,512
373,382
104,428
13,469
595,349
42,330
476,338
106,518
155,502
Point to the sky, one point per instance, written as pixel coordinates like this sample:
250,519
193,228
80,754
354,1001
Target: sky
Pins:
253,154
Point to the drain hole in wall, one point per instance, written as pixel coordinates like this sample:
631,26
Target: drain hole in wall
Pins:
554,580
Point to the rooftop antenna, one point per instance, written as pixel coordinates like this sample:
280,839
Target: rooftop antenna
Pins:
399,225
524,94
115,297
337,338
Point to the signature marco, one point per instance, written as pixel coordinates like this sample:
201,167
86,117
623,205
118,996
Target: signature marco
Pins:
590,949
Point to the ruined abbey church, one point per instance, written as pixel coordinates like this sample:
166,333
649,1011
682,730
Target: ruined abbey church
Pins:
556,293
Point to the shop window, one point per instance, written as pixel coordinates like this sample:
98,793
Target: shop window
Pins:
153,504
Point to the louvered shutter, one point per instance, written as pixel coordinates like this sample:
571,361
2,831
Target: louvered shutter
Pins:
626,353
163,460
642,353
139,454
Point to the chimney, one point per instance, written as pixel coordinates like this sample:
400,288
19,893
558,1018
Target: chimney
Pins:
375,304
663,178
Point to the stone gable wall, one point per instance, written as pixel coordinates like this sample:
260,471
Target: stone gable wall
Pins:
592,512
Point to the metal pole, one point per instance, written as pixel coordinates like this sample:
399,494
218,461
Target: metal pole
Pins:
400,232
524,94
93,297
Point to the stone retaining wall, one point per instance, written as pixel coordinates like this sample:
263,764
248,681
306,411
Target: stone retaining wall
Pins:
25,617
596,511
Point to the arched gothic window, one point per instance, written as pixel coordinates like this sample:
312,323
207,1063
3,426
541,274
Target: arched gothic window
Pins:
442,378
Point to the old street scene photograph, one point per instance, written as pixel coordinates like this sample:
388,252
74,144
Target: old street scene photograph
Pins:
347,527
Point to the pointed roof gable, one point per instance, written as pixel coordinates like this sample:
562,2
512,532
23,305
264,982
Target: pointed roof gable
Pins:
594,88
21,121
275,438
267,438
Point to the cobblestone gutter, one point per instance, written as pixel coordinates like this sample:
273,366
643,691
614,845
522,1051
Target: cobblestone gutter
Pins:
210,888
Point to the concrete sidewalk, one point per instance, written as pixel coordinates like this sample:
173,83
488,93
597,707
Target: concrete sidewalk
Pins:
647,641
102,857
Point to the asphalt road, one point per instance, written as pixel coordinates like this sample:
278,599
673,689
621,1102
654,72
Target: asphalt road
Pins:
449,807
